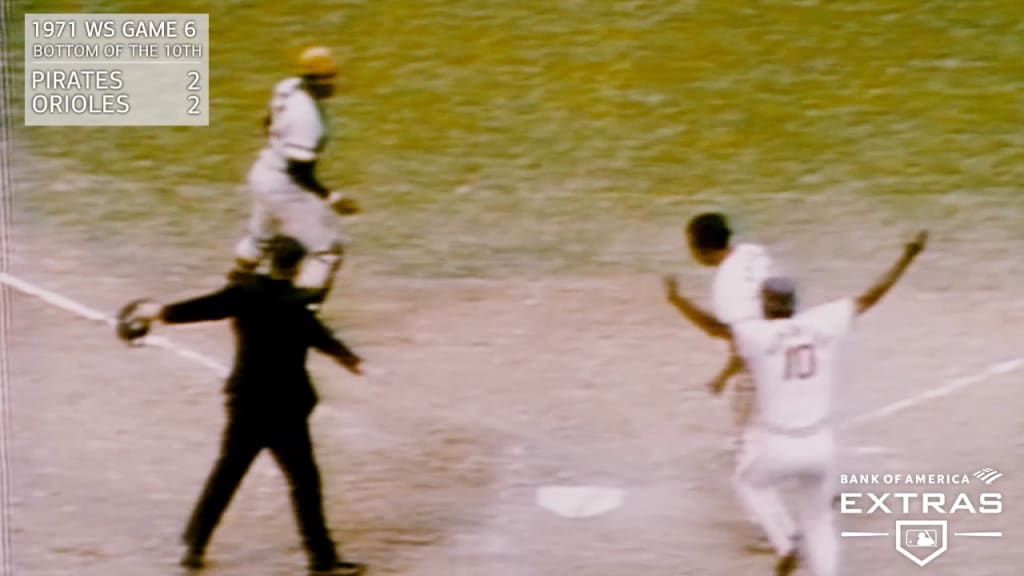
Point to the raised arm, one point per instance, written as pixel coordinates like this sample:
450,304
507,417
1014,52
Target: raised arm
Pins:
875,293
701,319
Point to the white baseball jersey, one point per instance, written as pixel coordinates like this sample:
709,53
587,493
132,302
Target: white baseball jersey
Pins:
736,290
793,361
298,129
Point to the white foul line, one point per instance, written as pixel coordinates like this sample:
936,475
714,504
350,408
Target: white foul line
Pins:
88,313
954,385
55,299
220,369
188,354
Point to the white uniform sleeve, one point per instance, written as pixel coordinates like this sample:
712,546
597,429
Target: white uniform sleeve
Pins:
763,268
834,319
736,294
301,128
747,337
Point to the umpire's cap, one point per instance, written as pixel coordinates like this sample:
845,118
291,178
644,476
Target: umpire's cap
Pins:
285,252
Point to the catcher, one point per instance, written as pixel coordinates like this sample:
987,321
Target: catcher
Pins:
269,395
286,196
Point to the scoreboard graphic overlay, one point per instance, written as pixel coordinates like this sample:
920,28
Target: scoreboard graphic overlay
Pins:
117,70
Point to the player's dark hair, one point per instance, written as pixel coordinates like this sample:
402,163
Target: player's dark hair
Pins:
709,231
285,252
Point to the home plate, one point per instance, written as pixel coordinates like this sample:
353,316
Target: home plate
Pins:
579,501
872,450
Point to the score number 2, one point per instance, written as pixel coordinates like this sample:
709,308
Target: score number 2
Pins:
193,99
801,362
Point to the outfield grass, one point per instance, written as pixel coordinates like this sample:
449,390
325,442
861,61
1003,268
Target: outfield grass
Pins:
487,137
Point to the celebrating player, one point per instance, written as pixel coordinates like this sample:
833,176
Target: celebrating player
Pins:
286,196
793,360
735,291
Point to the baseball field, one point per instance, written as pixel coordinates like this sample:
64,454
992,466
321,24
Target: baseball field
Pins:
525,169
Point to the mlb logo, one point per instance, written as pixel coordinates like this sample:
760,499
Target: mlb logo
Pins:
921,540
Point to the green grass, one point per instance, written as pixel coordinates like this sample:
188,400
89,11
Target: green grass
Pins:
490,137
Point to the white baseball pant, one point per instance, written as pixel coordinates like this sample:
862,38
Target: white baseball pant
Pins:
769,460
282,207
743,399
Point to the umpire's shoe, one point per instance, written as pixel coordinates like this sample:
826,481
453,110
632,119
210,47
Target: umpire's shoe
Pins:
337,568
192,560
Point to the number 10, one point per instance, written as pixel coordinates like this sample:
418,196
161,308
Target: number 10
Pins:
801,362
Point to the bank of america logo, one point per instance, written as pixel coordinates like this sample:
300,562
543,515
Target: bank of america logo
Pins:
988,475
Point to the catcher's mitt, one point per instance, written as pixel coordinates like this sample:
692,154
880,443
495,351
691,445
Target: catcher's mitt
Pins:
131,326
342,203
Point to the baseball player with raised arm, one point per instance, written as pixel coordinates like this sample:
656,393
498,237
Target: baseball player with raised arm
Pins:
735,291
741,268
287,198
793,358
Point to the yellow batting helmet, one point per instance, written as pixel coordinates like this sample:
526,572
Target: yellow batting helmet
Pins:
317,61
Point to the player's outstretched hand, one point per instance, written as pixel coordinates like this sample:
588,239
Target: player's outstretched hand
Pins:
353,364
717,386
917,245
671,287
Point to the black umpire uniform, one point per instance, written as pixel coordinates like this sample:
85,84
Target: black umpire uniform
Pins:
269,399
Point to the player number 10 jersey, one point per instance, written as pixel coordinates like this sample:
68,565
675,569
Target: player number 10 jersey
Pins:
793,362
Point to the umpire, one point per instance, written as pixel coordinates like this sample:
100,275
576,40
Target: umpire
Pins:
269,396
